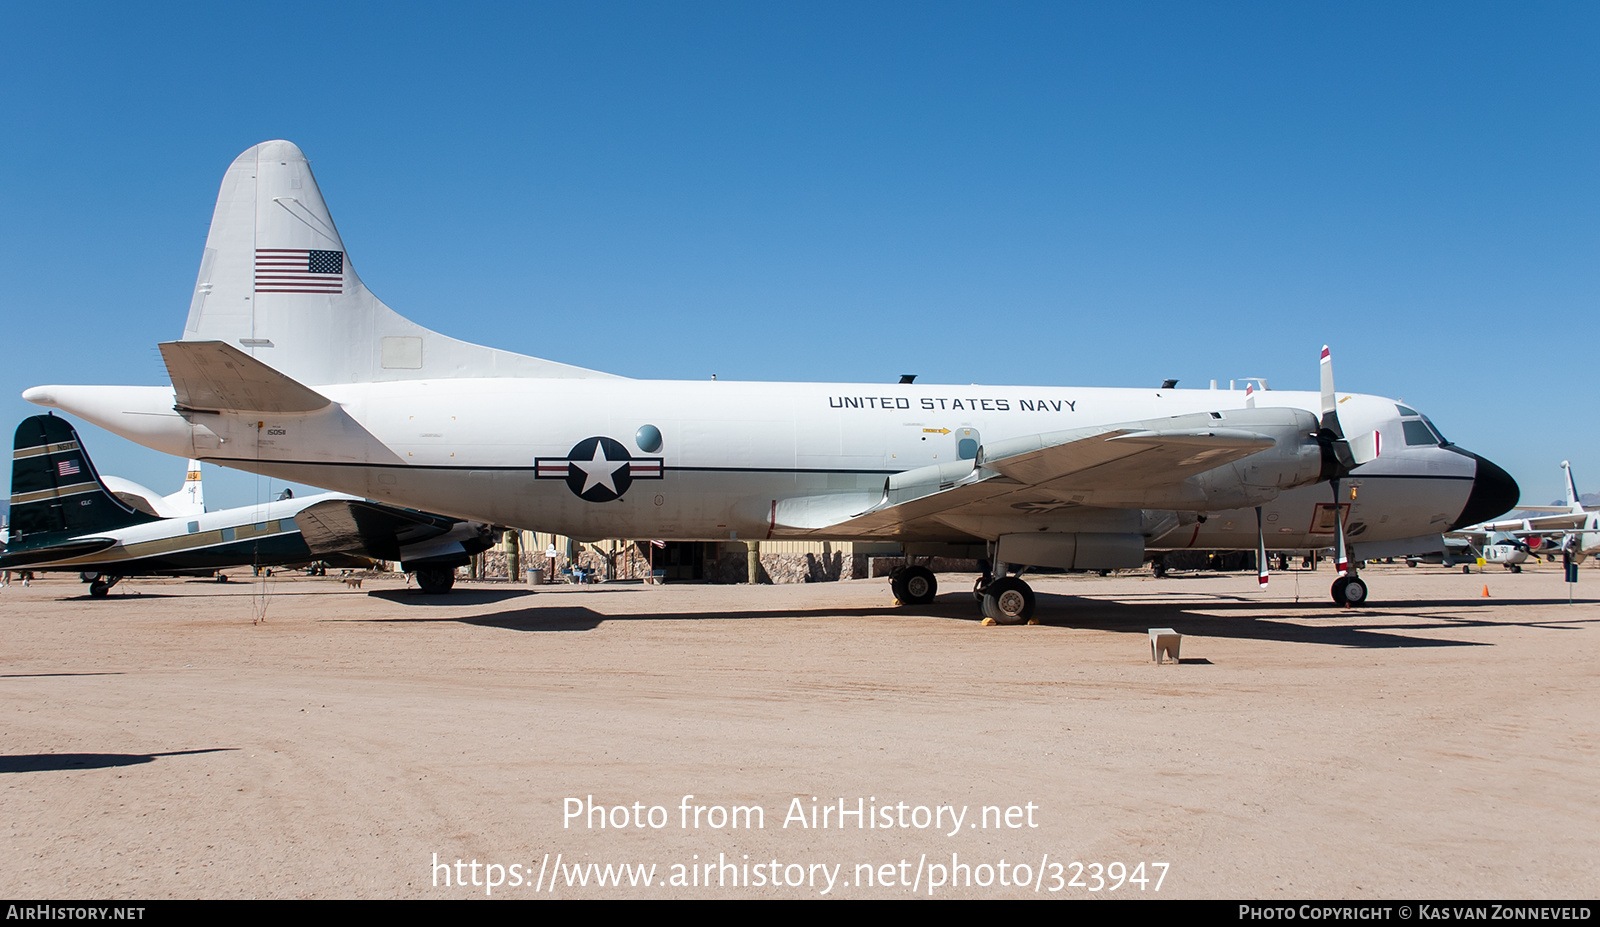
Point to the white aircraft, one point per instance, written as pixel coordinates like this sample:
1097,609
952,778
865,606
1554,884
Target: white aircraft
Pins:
1571,530
190,500
290,366
65,517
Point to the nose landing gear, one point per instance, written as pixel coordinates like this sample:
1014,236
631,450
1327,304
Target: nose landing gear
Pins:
1349,589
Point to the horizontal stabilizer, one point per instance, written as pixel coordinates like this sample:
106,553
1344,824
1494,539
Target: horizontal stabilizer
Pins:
211,376
22,559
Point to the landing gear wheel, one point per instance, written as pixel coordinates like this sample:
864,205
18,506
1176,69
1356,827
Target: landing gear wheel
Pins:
436,581
917,586
1349,590
1516,568
1466,568
1008,601
100,586
897,585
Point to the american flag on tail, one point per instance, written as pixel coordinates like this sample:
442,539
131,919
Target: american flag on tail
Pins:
299,270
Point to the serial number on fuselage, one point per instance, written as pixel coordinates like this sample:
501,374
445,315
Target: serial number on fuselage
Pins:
940,404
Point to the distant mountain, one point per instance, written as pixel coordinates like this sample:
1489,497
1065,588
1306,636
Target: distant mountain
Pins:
1587,498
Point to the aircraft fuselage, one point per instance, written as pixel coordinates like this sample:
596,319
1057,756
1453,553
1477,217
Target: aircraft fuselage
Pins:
752,461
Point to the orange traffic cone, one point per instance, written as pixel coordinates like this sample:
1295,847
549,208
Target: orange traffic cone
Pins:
1486,590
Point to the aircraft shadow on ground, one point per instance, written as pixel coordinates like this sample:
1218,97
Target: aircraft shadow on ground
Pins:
48,675
413,596
1251,619
61,762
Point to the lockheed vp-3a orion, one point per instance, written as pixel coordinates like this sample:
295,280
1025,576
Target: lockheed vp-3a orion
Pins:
289,366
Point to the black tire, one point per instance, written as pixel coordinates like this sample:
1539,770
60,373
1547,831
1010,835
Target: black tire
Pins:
917,586
1349,590
436,581
1466,568
1008,601
99,588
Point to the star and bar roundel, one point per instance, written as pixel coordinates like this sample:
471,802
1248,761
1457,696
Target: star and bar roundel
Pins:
598,469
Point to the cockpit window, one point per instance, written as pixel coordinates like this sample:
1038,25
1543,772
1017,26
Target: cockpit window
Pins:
1418,430
1419,434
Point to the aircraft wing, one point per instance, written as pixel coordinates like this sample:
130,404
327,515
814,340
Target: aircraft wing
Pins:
1538,524
354,526
1042,472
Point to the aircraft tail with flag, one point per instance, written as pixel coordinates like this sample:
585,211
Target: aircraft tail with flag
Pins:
276,282
58,501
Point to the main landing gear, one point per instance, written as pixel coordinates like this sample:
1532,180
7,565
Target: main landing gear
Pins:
913,585
1006,600
436,580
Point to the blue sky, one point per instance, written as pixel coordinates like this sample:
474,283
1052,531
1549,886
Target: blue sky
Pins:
1078,194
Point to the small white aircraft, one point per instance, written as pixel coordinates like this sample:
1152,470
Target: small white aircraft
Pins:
190,500
65,517
290,366
1571,530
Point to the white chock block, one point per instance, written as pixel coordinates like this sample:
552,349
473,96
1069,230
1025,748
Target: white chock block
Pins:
1164,642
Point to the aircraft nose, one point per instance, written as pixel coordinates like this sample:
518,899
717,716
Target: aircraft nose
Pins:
1494,493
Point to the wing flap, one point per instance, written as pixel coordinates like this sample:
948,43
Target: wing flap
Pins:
373,530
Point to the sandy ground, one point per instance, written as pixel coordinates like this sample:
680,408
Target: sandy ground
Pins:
1439,744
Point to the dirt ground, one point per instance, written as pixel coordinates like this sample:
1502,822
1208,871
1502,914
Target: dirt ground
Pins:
165,743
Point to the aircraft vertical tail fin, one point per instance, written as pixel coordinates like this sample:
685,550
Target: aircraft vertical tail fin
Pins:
1573,500
56,494
276,281
190,500
193,494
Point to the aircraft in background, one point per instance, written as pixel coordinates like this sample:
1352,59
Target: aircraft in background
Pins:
64,517
289,366
190,500
1571,531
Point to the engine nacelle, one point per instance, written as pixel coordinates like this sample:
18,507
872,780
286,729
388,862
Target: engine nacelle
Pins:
1076,551
1296,460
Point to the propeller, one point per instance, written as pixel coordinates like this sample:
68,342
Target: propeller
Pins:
1340,456
1261,549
